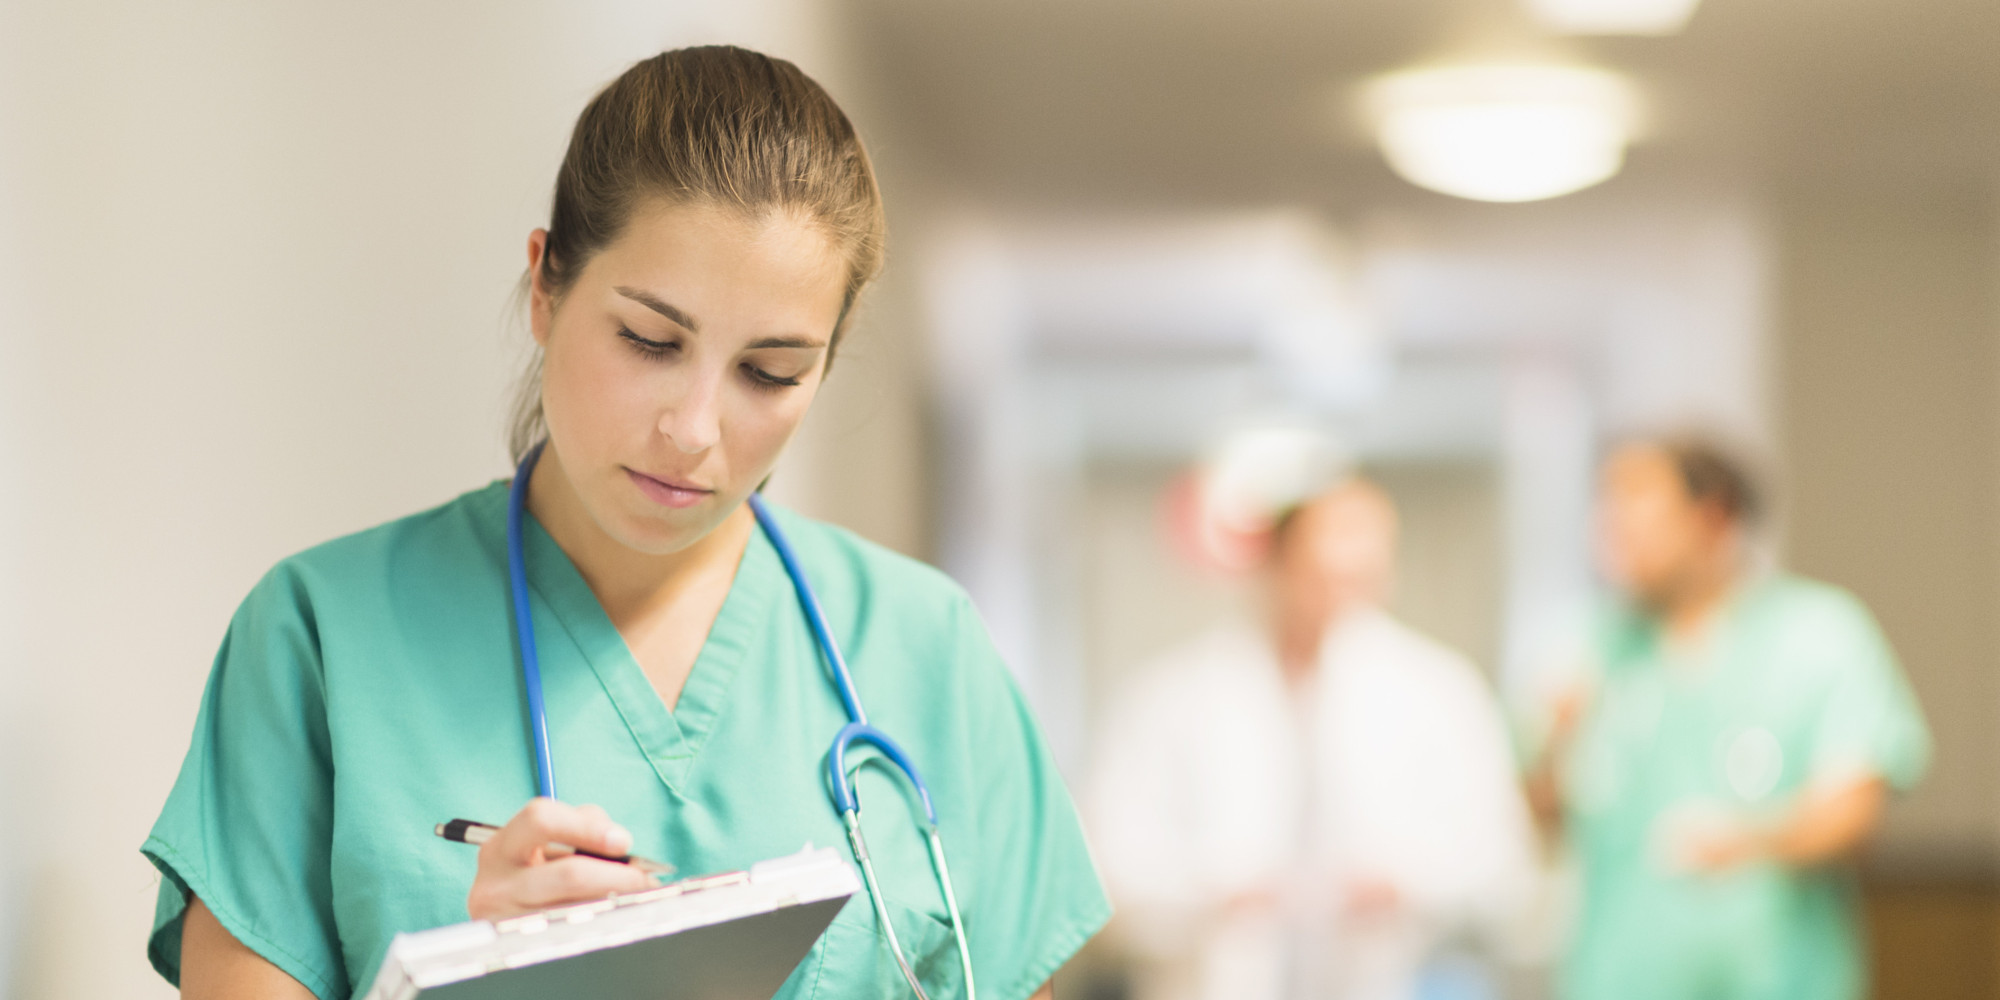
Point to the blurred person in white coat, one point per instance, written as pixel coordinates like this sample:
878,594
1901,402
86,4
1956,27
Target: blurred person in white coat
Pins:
1309,806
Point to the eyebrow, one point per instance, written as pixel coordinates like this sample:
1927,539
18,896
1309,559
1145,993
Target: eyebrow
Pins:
806,343
667,309
656,304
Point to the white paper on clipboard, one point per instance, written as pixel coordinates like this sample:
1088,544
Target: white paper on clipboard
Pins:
735,936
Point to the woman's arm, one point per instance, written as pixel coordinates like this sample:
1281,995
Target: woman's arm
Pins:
1047,992
216,966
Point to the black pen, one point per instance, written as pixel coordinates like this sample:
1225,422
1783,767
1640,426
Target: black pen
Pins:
467,831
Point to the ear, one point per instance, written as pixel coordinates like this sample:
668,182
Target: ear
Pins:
541,305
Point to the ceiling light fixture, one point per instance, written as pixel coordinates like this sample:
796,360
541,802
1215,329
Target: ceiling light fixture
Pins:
1503,132
1613,17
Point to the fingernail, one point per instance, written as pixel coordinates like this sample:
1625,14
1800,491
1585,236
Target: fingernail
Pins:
618,840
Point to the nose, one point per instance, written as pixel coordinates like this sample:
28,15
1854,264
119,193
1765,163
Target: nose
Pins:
693,422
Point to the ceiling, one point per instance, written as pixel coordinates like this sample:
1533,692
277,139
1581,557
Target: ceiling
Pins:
1232,102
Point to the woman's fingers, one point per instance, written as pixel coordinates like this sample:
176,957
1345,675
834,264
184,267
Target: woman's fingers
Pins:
545,821
612,839
496,895
574,880
517,875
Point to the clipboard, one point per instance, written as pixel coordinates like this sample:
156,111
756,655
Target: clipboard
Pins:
733,936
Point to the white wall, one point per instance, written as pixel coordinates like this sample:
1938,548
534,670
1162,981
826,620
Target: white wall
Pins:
255,266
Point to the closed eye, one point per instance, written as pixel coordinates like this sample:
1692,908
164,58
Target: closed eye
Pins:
763,377
650,348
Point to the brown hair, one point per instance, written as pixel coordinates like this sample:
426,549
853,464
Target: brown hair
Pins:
717,125
1713,473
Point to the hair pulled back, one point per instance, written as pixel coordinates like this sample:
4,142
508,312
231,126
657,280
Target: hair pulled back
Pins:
716,125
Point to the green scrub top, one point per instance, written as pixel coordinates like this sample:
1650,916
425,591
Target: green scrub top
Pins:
370,688
1794,681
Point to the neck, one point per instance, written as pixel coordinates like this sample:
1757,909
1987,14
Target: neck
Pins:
627,582
1299,640
1298,654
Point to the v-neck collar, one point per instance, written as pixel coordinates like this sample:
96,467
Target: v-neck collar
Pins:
670,740
1693,663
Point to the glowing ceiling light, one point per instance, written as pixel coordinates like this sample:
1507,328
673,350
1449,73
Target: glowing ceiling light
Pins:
1613,17
1503,133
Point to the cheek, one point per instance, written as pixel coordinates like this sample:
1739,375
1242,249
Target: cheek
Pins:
563,379
588,391
761,425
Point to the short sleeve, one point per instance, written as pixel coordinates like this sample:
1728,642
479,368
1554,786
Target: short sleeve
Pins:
1041,898
1870,722
248,824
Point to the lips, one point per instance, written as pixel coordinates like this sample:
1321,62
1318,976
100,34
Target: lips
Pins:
675,493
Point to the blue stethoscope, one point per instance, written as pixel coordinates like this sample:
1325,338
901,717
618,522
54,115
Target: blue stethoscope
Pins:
857,729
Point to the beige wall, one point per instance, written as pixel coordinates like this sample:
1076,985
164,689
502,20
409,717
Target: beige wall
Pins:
254,264
1450,570
1890,368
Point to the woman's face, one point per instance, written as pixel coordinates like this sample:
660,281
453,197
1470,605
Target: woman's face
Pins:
680,361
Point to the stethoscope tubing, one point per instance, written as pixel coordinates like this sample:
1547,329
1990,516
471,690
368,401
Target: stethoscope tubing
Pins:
524,625
857,730
843,681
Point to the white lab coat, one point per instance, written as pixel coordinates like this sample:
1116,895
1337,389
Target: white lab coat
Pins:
1214,778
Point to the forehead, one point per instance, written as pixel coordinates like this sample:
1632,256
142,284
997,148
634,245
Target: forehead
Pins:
1642,467
691,245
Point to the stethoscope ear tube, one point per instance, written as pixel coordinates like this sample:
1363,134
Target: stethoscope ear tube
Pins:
851,818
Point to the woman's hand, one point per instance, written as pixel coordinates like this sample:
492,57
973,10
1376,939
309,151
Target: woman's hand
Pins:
517,875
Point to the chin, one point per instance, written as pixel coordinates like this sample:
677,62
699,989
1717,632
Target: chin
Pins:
655,541
655,535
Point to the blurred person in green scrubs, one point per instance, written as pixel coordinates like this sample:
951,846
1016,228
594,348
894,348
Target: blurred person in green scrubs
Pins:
714,219
1733,747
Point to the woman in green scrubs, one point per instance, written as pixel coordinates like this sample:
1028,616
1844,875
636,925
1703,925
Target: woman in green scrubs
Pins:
1736,746
714,219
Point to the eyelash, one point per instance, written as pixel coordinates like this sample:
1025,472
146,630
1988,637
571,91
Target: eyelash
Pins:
659,348
649,348
764,378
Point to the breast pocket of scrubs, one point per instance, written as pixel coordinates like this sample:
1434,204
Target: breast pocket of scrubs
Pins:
855,960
